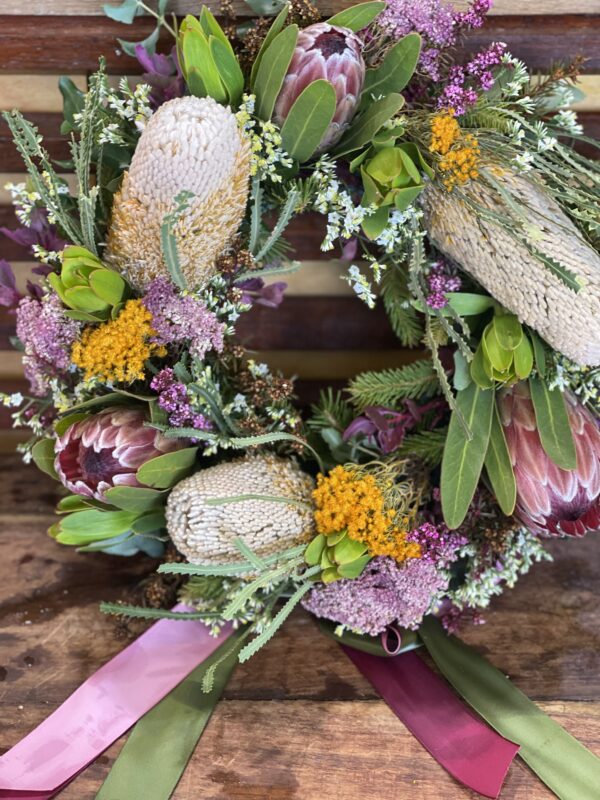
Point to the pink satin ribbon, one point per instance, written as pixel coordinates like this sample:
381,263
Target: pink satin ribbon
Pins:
461,742
104,707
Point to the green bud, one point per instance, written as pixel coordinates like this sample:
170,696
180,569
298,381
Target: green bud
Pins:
504,355
86,286
337,555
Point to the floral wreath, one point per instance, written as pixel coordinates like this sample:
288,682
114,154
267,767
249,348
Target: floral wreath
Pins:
454,193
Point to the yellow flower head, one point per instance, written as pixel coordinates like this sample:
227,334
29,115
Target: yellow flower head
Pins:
117,349
459,154
356,504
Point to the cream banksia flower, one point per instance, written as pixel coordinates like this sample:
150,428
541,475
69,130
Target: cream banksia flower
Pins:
205,532
190,145
569,321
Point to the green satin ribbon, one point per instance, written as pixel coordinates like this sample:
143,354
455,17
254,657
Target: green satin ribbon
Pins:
159,747
569,769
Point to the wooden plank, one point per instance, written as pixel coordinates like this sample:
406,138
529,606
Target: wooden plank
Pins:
37,93
286,719
328,7
556,38
48,125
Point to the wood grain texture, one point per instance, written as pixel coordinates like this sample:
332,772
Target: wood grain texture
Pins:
94,7
298,717
556,38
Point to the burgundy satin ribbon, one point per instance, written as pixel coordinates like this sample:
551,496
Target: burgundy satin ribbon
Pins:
104,707
461,742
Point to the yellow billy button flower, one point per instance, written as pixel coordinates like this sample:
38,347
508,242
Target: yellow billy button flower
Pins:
459,154
118,349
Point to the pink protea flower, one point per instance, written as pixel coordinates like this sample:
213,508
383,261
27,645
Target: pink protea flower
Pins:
106,450
331,53
550,500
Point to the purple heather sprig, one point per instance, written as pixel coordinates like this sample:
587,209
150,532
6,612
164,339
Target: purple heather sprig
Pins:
385,593
174,400
441,280
182,318
439,24
466,83
438,544
47,336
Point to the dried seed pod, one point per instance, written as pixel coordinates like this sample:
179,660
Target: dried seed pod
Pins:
190,144
569,321
205,533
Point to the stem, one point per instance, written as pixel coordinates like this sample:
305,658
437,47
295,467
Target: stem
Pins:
160,19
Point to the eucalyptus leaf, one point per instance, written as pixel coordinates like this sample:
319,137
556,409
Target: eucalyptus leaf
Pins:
165,471
149,44
308,120
357,17
499,467
463,459
149,523
396,69
275,28
364,128
134,498
43,457
126,12
553,424
272,70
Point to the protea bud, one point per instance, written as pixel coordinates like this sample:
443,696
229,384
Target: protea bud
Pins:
106,450
192,145
264,500
568,320
550,500
331,53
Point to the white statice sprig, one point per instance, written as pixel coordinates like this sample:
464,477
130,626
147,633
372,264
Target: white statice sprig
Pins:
267,154
566,120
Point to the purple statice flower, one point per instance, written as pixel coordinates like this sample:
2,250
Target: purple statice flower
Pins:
47,336
163,73
453,618
387,428
178,318
438,544
256,292
385,593
38,232
466,83
441,280
174,400
438,23
9,296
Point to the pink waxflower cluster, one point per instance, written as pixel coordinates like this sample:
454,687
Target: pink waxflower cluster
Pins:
466,83
439,281
173,398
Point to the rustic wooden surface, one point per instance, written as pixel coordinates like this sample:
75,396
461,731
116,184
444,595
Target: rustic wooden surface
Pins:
297,721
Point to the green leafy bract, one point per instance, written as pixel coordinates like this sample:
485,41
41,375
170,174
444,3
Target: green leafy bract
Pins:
395,71
553,424
463,457
92,525
165,471
134,498
308,120
357,17
364,128
272,70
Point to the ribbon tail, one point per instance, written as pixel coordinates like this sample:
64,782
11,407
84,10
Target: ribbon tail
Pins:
158,749
568,768
105,706
463,744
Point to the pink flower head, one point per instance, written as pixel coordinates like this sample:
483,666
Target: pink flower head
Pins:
106,450
550,500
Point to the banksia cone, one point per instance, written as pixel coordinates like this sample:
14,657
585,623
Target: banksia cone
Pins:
550,500
333,54
106,450
205,532
567,320
192,145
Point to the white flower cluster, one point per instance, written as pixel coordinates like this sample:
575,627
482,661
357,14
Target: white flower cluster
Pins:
566,119
265,142
130,106
344,218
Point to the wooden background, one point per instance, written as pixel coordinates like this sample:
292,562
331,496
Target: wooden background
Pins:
297,722
320,333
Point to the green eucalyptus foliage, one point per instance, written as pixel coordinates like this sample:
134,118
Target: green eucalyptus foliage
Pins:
505,354
337,555
89,289
209,65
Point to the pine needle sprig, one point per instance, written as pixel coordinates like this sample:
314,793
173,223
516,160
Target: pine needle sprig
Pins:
404,319
388,387
427,446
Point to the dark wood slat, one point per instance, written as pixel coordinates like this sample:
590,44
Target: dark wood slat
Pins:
43,49
48,126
